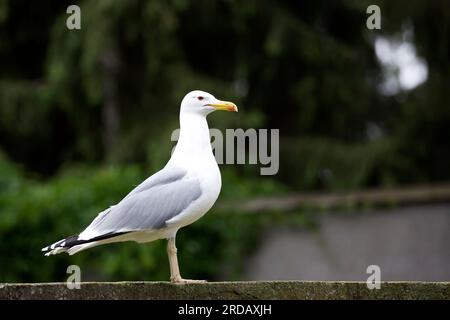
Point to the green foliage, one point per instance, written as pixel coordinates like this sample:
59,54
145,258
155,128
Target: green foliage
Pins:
34,215
334,165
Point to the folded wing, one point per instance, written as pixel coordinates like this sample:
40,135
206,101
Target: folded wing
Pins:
158,199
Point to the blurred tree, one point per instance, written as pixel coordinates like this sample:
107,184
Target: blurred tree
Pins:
110,90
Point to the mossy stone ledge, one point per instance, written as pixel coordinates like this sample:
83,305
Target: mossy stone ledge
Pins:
305,290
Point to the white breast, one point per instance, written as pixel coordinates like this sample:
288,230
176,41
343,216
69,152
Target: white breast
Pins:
193,153
203,167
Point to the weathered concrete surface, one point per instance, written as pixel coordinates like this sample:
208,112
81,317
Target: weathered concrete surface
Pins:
228,290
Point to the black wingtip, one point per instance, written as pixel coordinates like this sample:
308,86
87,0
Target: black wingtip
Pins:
74,240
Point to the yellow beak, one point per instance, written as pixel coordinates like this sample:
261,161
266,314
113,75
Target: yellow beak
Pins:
224,105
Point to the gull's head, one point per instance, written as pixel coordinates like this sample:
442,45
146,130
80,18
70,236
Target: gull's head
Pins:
201,102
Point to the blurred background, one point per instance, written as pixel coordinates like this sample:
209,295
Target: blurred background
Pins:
87,114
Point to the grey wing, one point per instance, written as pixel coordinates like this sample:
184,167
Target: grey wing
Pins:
167,175
146,208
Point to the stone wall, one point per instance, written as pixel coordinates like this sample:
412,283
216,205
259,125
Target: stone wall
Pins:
228,290
407,243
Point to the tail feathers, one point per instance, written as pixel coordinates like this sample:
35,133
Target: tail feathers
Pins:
74,244
61,246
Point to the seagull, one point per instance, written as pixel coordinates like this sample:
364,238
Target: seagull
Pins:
172,198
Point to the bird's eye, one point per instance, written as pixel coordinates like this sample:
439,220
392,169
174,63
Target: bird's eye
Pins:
200,98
